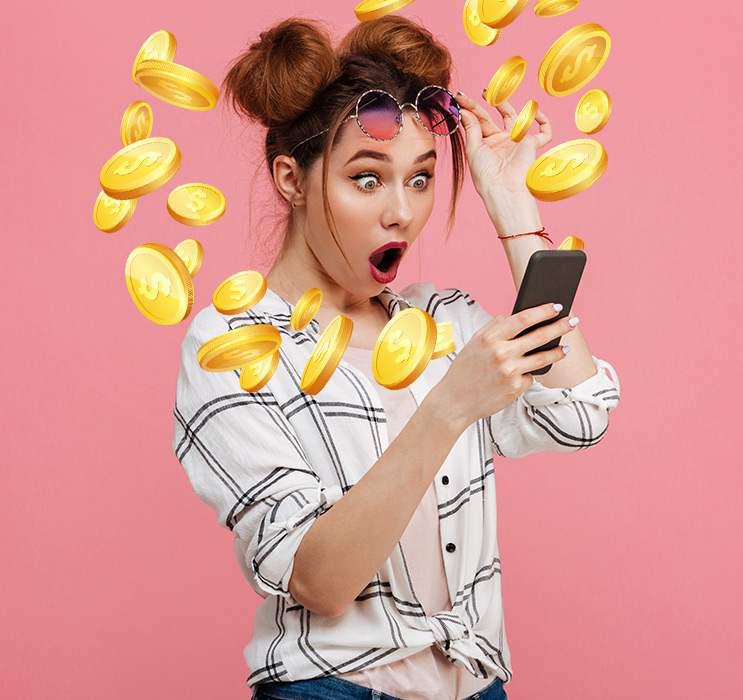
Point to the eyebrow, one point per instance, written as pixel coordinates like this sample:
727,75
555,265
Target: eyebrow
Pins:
366,153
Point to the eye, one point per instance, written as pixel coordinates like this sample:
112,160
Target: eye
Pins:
364,188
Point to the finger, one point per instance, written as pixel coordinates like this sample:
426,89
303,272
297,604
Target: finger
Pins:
545,128
472,131
507,112
541,336
521,320
540,359
487,125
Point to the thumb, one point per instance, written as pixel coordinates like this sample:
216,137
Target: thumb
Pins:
473,133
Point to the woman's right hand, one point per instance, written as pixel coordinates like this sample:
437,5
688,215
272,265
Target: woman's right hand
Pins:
491,371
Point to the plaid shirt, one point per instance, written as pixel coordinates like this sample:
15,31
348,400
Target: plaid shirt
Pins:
270,462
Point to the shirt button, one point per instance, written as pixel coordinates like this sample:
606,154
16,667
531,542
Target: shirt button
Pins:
451,547
444,480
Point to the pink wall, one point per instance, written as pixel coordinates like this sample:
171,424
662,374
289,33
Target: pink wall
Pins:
622,565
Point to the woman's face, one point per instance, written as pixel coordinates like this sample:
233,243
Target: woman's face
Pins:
379,192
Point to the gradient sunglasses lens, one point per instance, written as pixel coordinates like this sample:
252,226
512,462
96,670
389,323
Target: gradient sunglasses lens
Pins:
379,115
438,110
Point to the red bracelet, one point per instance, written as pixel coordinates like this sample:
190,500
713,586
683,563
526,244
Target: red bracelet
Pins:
541,233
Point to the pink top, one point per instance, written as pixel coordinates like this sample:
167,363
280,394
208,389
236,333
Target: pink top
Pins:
427,673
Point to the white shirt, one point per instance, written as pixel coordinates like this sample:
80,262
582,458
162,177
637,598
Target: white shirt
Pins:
270,462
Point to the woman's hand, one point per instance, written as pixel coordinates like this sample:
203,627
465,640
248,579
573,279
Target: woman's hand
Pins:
495,161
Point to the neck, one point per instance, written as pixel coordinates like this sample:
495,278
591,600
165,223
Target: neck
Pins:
297,269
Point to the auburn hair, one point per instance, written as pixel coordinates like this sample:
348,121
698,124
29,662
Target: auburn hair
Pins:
294,83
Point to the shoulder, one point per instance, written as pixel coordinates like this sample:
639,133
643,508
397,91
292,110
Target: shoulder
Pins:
448,301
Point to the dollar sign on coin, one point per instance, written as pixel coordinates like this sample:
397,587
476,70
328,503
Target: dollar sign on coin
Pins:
111,214
136,123
159,284
593,111
567,169
140,167
239,292
196,204
404,348
574,59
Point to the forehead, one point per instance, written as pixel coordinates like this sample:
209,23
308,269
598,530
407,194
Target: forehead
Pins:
413,140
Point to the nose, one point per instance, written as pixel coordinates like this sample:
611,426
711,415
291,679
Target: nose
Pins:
398,208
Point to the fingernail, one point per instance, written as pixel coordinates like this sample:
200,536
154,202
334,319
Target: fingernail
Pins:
558,307
566,349
574,321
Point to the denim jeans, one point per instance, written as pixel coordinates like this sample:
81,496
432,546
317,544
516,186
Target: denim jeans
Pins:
333,688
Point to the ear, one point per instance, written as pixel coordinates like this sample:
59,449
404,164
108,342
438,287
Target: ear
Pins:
287,176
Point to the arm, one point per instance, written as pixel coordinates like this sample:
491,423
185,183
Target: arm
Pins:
522,214
346,546
306,541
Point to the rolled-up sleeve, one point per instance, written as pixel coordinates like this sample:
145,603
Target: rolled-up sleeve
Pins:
557,419
544,418
243,458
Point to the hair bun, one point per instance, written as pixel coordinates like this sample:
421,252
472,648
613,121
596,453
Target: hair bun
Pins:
276,79
409,46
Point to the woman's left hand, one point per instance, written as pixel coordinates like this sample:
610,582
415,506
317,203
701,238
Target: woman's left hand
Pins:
495,161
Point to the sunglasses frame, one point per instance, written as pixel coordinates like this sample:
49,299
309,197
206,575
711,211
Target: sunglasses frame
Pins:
401,107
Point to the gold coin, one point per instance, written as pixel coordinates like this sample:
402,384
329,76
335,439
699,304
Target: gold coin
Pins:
404,348
196,204
136,124
571,243
505,81
239,347
444,340
192,254
255,375
553,8
500,13
574,59
326,355
111,214
478,33
177,84
567,169
306,308
524,120
140,167
159,46
373,9
159,284
239,292
593,111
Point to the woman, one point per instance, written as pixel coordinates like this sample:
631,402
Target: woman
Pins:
366,517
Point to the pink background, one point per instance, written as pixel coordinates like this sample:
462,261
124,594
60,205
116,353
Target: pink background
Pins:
622,573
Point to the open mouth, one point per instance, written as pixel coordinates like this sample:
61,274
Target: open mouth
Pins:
386,257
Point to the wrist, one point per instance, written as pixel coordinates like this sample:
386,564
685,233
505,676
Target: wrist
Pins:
512,212
444,412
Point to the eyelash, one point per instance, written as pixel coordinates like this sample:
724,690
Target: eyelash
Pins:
366,190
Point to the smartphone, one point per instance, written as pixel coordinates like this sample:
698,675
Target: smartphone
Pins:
551,276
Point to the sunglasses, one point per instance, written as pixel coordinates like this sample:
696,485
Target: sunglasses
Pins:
379,114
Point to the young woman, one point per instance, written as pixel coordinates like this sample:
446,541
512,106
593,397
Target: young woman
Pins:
366,517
